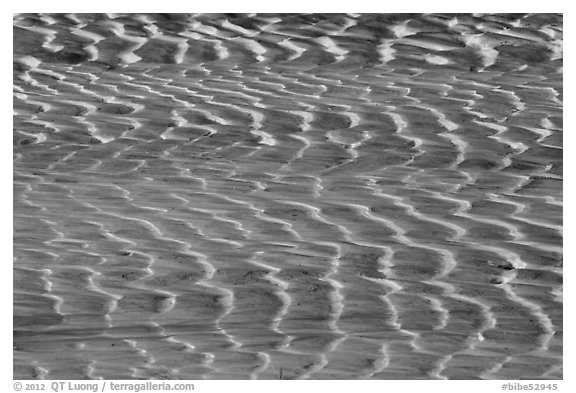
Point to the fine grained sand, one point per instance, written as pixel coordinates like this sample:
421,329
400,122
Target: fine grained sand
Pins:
288,196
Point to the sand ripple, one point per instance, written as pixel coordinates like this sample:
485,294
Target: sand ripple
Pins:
288,196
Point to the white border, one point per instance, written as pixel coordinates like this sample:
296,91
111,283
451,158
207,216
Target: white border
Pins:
357,6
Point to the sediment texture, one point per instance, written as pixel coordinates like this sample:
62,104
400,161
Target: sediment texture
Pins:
287,196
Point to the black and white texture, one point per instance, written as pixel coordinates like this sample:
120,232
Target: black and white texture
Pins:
326,196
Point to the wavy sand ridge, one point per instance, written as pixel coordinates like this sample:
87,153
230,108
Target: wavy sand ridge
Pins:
288,196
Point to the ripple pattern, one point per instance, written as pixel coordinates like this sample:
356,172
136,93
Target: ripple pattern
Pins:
339,196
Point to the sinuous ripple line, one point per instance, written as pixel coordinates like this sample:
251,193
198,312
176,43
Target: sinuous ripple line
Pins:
288,196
